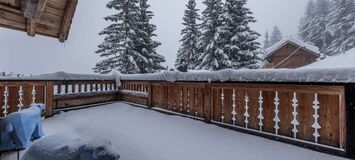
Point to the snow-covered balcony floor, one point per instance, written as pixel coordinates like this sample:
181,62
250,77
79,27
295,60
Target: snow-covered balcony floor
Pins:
141,134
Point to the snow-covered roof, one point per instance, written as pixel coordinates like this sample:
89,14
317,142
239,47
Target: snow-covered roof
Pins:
346,60
271,50
63,76
338,75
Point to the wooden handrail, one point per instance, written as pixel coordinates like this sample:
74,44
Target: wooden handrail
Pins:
316,116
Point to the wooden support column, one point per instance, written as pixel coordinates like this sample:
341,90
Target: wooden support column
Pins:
207,103
49,99
67,18
149,90
350,120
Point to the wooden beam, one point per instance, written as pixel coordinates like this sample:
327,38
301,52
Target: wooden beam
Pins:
28,8
32,10
39,10
31,27
67,19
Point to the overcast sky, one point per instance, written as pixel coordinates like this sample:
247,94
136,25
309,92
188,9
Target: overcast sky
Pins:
26,55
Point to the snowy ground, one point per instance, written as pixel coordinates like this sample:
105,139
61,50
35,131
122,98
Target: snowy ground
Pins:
140,134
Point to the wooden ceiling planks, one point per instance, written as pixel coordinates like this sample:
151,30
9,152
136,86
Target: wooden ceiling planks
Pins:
12,3
50,18
12,20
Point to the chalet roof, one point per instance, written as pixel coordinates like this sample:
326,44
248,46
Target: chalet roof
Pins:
51,18
274,48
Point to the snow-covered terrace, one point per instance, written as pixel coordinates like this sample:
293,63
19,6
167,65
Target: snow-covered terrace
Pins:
305,107
141,134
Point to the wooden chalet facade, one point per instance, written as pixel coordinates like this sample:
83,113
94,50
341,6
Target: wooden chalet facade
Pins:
51,18
290,53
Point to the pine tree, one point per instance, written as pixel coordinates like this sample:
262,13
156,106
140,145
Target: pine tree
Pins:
321,37
313,28
188,54
276,36
341,19
213,56
241,45
267,40
119,44
146,46
306,22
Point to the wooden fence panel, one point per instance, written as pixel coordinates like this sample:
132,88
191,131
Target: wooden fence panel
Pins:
304,113
31,92
69,94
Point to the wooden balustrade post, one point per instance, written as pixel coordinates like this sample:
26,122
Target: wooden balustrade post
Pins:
118,97
59,91
207,102
66,89
350,119
49,98
73,88
149,99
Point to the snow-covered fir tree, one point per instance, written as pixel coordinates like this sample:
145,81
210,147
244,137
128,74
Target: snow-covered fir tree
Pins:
266,40
306,22
276,36
321,37
341,20
128,46
118,48
150,62
212,43
188,54
240,41
313,27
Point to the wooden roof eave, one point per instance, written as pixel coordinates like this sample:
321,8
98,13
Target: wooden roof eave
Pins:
28,16
67,19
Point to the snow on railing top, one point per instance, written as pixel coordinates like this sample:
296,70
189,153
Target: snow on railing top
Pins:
340,75
316,75
64,76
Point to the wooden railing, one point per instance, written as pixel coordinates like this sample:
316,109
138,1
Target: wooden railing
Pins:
17,95
319,116
136,92
311,115
56,95
75,93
